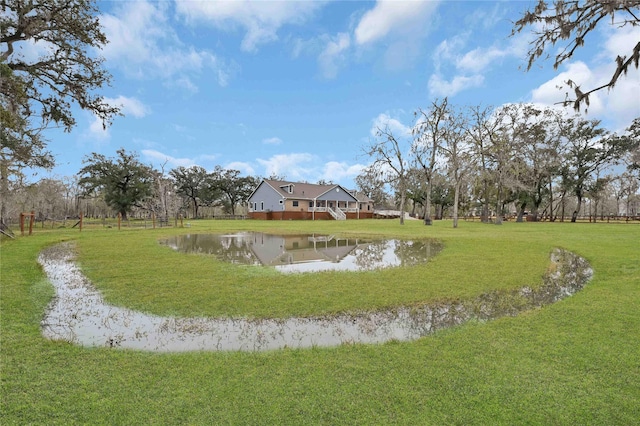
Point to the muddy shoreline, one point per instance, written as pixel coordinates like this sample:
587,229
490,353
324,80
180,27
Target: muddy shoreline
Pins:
78,314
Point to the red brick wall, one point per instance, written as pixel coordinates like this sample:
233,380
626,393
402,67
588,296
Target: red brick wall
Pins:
304,215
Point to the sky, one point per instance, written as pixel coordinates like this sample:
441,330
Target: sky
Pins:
298,88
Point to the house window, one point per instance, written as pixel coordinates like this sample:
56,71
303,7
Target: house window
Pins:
311,204
280,201
295,203
261,205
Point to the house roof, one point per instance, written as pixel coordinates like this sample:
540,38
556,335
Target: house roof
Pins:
302,191
307,191
361,197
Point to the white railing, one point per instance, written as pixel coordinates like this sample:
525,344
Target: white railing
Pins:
324,209
337,214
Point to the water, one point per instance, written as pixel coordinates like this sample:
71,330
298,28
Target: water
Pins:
78,314
307,252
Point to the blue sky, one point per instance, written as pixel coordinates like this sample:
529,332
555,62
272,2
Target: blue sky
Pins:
298,88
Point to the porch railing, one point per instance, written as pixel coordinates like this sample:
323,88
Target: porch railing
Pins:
337,214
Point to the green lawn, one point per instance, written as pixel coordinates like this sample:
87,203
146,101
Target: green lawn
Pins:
574,362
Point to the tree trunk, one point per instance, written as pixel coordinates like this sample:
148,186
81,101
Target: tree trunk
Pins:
484,216
402,201
456,196
427,206
195,208
574,216
499,206
4,189
521,212
551,218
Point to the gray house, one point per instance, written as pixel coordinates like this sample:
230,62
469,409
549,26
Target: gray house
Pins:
283,200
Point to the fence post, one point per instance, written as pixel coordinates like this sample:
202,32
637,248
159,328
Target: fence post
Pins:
32,221
22,224
119,220
153,219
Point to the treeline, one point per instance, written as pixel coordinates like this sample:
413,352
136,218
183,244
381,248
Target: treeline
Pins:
106,187
513,160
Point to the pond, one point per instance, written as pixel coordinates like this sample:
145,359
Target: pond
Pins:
78,314
307,252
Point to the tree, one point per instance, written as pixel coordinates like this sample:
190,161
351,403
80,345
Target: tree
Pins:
536,138
37,91
428,133
191,183
124,182
633,156
66,33
573,20
234,188
501,153
389,163
371,184
456,148
480,128
589,148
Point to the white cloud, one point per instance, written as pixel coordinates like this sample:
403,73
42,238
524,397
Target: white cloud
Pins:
296,166
393,17
272,141
619,106
306,167
97,131
183,82
616,107
337,171
260,19
456,70
128,106
478,59
334,54
395,126
441,87
447,50
485,17
143,44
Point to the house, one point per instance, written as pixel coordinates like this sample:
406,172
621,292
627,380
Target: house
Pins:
283,200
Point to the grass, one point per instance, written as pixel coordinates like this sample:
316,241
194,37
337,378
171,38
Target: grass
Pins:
574,362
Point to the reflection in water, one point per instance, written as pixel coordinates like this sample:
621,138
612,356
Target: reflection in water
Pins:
78,314
307,252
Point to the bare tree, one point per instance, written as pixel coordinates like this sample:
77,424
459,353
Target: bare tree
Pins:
390,163
456,148
428,133
480,128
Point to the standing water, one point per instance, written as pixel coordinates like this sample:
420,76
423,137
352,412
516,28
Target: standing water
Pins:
78,314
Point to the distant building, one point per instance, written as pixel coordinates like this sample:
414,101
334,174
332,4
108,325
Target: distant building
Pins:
282,200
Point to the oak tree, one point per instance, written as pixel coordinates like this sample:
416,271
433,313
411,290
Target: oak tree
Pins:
124,182
191,183
38,90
